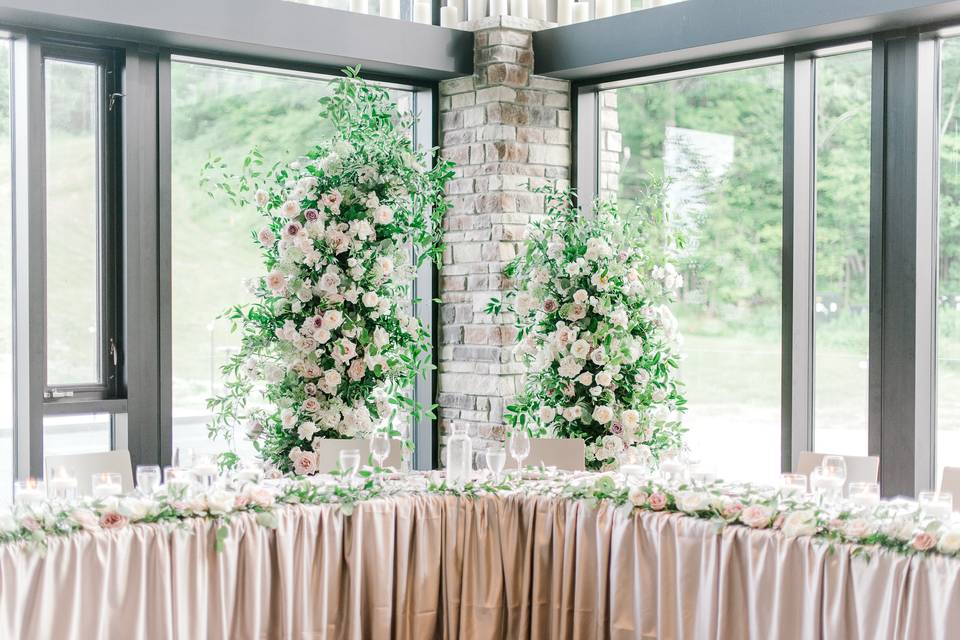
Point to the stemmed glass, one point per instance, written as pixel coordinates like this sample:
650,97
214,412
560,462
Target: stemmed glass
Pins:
496,457
519,446
380,447
183,457
148,478
350,463
828,479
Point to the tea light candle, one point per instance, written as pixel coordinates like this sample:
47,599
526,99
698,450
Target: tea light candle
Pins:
448,16
107,489
518,8
359,6
581,11
499,7
423,13
390,9
564,11
205,469
476,9
29,492
537,9
62,484
604,8
624,6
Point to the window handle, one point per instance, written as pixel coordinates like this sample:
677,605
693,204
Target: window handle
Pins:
54,393
113,99
114,353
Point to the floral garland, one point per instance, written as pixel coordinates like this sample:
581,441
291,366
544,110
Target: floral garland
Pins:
898,526
330,341
597,338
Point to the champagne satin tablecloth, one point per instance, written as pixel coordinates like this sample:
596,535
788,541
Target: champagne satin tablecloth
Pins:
434,566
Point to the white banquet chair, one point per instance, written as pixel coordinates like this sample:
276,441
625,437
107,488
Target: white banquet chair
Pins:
950,483
859,468
566,454
84,465
328,452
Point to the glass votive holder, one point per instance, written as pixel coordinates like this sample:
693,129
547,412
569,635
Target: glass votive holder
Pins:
936,504
105,485
62,485
178,481
248,474
148,478
702,473
205,466
865,494
793,483
29,491
672,467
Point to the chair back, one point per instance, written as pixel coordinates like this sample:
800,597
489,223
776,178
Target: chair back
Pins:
950,483
328,452
859,468
567,454
84,465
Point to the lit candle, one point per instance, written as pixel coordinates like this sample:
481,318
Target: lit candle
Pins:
107,489
499,7
390,9
448,16
62,485
423,13
477,9
581,11
538,9
518,8
604,8
624,6
564,11
28,492
358,6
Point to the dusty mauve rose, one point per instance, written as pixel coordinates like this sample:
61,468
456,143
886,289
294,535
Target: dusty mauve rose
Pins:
293,228
657,501
112,520
550,305
924,541
311,214
305,464
616,428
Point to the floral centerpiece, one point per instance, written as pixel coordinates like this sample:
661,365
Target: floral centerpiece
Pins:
330,341
596,336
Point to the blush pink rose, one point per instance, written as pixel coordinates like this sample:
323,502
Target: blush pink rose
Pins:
260,496
657,501
731,509
924,541
756,516
241,501
305,464
112,520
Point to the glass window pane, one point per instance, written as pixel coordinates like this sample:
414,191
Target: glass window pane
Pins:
80,433
948,308
6,284
718,141
224,112
73,282
841,317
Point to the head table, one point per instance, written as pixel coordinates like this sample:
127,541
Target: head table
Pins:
544,556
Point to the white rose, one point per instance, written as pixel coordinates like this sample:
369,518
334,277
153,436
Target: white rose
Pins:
290,209
572,413
385,264
380,337
949,541
547,414
220,502
692,501
800,523
8,523
371,299
332,319
306,430
580,295
598,356
134,508
580,349
383,215
603,414
630,419
261,197
585,378
604,379
332,378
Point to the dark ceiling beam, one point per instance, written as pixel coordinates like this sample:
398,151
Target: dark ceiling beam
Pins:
270,30
701,30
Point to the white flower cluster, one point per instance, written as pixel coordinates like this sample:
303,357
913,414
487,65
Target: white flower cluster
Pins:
599,340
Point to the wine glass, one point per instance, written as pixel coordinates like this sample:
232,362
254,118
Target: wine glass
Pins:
519,446
380,447
833,475
148,478
183,457
350,463
496,457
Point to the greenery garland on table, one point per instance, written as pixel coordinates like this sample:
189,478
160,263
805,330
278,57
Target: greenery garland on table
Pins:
331,341
596,334
898,526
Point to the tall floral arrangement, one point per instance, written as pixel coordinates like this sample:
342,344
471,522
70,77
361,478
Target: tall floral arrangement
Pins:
330,341
596,334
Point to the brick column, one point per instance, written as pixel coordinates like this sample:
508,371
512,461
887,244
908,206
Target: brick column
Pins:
611,147
505,128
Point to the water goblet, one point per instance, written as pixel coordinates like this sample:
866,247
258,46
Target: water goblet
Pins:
380,447
496,458
519,446
833,475
148,478
936,504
